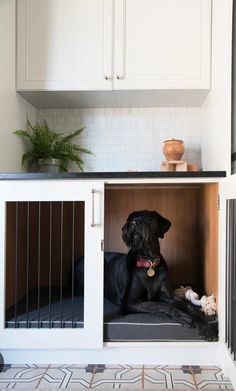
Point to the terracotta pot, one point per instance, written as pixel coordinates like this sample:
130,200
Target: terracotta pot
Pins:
173,149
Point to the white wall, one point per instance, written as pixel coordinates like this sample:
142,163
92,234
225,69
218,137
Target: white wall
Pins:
13,108
131,138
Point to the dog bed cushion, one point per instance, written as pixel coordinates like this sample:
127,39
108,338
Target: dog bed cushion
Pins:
69,313
146,327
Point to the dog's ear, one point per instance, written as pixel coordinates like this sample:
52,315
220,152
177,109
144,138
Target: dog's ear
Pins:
163,225
125,235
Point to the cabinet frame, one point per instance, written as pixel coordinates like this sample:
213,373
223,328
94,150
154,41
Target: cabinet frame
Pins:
18,345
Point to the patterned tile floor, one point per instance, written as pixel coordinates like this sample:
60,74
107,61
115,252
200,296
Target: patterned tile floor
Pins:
112,377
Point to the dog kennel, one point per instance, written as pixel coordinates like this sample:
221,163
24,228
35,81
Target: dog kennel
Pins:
45,238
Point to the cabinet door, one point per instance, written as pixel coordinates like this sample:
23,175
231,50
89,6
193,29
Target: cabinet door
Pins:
64,44
45,227
162,44
227,265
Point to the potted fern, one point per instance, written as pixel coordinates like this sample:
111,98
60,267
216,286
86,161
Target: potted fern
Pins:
50,151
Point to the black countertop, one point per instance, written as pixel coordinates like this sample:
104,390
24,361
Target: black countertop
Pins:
112,175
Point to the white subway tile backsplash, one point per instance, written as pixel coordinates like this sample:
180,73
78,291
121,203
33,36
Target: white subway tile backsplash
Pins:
129,138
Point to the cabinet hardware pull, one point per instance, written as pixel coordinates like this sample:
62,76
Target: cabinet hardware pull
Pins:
93,224
119,77
108,77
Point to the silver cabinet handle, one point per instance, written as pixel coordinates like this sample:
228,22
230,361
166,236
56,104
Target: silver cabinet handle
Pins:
106,77
119,77
93,224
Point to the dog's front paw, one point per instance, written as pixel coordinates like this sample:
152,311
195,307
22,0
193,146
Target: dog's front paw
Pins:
187,321
208,331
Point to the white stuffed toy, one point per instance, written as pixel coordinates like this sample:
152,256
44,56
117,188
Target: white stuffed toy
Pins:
207,303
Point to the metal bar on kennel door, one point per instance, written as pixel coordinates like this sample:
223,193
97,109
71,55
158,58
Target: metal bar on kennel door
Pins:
27,263
16,260
72,264
50,267
227,280
39,260
234,278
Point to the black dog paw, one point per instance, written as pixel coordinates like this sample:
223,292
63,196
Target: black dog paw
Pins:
187,321
208,331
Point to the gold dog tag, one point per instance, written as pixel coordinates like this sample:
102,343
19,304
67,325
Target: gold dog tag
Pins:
150,272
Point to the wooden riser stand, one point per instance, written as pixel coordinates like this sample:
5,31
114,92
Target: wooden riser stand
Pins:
178,165
174,165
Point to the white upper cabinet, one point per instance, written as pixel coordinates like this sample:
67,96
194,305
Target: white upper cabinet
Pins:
64,44
113,44
162,44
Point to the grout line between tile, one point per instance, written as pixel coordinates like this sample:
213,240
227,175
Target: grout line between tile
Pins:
42,376
193,375
94,371
142,385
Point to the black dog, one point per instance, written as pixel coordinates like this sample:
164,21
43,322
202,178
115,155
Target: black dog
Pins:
139,283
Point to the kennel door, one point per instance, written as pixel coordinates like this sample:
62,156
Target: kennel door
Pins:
227,272
51,264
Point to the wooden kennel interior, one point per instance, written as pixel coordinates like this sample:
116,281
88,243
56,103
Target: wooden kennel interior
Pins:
190,247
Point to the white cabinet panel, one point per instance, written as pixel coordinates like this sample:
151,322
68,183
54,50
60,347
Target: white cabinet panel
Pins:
64,44
162,44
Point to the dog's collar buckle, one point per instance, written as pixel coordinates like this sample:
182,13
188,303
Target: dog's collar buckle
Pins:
149,264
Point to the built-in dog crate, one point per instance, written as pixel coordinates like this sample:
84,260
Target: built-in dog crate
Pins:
45,238
190,248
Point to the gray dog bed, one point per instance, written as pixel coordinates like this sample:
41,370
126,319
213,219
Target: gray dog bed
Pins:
68,313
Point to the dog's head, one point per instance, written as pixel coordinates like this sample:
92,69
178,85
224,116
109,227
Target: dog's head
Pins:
142,231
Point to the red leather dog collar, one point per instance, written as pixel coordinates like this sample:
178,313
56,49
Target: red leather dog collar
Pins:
149,264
